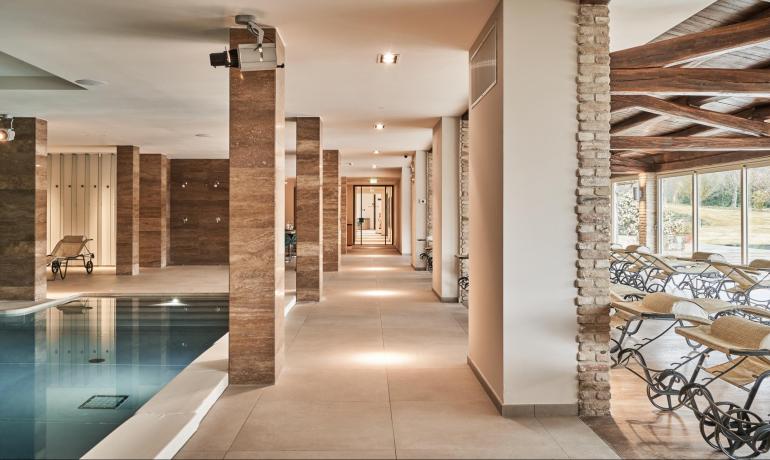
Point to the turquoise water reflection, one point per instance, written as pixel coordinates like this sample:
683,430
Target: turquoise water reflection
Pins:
52,361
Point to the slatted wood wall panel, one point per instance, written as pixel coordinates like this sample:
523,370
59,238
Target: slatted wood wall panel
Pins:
81,201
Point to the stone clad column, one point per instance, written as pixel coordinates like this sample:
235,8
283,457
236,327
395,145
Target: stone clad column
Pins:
127,204
23,204
343,215
309,210
153,212
331,210
257,194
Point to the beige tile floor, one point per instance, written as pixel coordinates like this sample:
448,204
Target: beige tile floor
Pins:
378,370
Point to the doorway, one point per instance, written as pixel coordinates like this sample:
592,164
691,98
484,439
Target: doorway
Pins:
373,218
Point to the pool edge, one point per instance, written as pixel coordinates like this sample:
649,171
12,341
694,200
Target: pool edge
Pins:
162,426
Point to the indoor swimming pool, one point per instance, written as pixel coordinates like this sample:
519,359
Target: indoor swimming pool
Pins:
69,375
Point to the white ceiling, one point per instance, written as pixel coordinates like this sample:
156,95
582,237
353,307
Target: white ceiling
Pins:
161,91
636,22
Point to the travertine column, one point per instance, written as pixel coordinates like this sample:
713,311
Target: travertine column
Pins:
343,215
23,211
153,212
309,210
331,210
257,193
127,204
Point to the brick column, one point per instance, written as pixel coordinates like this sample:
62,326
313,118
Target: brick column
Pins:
465,227
343,215
256,222
648,235
331,210
23,204
127,204
593,208
309,210
153,210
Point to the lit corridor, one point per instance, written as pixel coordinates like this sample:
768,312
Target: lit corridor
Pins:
378,370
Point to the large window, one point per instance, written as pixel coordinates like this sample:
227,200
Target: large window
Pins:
625,215
759,213
677,215
719,214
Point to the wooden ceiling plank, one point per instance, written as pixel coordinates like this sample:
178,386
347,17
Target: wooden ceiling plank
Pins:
690,82
673,144
696,115
698,45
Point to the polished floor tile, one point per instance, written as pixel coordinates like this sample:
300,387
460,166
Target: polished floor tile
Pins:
378,369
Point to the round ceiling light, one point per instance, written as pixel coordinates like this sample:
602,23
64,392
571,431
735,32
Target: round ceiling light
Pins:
89,82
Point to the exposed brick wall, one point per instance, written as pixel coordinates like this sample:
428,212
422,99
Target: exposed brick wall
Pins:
593,208
464,203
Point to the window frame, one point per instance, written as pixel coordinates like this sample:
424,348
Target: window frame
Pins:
613,215
743,167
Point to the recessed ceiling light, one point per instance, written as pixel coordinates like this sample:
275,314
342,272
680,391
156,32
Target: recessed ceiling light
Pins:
379,126
373,180
350,163
89,82
203,135
374,166
387,57
376,152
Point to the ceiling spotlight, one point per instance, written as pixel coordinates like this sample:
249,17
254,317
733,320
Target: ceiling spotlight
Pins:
387,58
6,134
373,180
350,163
374,166
379,126
203,135
376,152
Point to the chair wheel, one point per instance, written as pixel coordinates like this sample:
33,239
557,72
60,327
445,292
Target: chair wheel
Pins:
663,393
54,267
89,267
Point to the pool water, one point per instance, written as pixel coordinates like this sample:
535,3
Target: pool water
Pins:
119,350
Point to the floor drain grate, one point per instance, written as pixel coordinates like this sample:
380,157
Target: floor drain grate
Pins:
103,402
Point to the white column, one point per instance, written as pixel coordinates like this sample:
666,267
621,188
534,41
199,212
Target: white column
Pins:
419,204
522,321
446,146
406,210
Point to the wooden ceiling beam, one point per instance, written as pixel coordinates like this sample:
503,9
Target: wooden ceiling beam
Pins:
696,115
702,162
690,82
689,47
673,144
758,113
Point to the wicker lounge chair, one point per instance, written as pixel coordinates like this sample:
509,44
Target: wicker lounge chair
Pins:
727,426
738,284
70,248
662,385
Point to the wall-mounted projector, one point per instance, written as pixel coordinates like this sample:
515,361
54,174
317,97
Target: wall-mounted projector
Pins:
6,134
248,57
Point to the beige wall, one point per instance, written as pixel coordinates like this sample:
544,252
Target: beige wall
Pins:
522,313
405,211
446,143
418,205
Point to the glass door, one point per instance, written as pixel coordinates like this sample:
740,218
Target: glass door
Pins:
373,218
